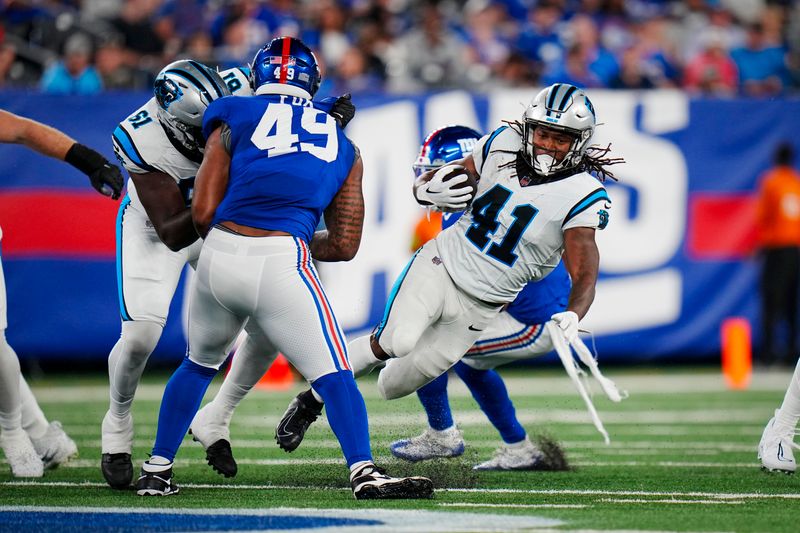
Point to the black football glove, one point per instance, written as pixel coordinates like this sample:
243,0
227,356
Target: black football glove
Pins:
105,177
342,109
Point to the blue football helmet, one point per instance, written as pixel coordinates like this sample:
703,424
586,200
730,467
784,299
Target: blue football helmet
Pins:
287,63
444,145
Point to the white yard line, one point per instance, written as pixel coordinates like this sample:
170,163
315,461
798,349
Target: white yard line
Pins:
519,505
479,491
529,385
672,501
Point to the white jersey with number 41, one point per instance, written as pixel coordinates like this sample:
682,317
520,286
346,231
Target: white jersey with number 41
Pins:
512,234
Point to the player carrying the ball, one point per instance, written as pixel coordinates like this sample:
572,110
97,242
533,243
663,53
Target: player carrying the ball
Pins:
535,201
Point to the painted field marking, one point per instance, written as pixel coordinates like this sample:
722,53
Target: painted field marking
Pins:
520,505
533,492
671,501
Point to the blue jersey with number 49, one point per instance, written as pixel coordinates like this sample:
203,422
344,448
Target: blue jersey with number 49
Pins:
288,160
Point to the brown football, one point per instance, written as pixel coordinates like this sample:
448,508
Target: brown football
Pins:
471,183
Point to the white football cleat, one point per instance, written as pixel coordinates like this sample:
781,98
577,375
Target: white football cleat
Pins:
55,447
518,457
21,455
431,444
775,449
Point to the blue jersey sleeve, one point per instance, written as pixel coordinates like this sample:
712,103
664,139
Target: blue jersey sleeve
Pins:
216,114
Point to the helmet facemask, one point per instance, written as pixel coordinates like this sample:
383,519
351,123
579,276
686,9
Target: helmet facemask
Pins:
558,109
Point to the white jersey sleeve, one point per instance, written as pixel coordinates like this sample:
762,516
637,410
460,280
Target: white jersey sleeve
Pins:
483,147
238,81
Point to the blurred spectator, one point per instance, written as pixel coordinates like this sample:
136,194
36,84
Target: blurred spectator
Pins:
430,56
135,25
633,73
574,70
762,70
118,68
75,74
539,38
599,64
712,71
778,219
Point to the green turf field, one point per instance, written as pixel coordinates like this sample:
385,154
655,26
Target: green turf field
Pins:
682,457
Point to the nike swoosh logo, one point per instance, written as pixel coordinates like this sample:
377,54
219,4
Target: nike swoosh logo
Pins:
474,329
280,430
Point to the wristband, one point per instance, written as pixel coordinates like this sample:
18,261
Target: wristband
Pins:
84,159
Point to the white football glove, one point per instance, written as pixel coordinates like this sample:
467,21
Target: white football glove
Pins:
442,195
568,322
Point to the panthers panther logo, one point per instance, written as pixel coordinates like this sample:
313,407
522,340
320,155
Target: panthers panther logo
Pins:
167,91
603,214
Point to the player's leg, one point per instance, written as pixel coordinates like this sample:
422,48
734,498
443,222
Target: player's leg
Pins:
16,443
296,315
777,441
414,303
442,344
441,438
49,439
504,341
147,275
212,328
211,424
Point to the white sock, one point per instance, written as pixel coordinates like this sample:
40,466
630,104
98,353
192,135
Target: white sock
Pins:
362,360
789,413
10,376
33,420
157,464
126,363
355,467
249,364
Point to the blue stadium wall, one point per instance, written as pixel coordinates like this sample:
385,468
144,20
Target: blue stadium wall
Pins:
677,257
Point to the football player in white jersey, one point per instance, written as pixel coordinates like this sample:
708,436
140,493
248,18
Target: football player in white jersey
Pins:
161,147
535,201
30,443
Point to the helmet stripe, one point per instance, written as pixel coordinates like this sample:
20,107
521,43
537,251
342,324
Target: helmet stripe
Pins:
566,96
191,79
551,100
213,83
287,43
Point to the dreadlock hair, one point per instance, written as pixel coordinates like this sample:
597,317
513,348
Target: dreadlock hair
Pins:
594,160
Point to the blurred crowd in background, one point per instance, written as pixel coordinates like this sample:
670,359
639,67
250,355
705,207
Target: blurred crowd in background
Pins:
715,47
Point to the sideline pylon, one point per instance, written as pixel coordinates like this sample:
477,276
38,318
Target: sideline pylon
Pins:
279,376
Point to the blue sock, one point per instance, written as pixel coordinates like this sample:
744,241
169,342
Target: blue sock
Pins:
433,397
347,414
182,398
490,392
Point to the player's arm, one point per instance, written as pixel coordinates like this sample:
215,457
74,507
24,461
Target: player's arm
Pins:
166,209
105,177
344,220
211,182
430,190
582,260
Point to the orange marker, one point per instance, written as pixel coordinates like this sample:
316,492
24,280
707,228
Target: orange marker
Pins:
737,353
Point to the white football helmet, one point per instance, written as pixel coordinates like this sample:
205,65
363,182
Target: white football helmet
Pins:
561,107
183,90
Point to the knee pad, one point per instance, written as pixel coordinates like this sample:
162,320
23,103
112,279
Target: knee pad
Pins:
401,377
401,343
140,337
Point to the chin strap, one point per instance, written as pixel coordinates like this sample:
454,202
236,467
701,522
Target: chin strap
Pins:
578,376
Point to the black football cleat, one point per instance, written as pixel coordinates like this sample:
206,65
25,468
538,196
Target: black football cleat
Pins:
371,483
117,470
300,414
156,480
220,457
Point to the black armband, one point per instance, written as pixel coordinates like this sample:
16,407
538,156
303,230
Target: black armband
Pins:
84,158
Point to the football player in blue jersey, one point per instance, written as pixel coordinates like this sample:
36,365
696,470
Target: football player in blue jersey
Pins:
161,146
516,333
274,164
30,443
